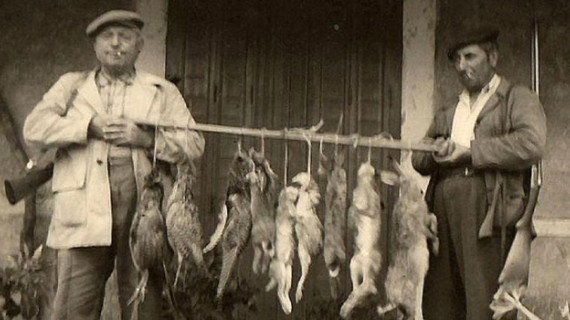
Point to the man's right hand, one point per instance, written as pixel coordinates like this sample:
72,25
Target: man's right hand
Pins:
120,131
97,127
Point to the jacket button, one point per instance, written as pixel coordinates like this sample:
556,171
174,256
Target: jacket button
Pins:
99,161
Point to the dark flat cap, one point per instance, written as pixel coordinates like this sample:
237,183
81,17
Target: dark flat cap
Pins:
122,17
474,35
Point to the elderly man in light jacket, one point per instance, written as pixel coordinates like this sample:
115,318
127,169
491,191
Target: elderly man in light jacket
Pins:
102,157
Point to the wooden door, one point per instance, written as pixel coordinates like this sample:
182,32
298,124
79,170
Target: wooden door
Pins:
286,64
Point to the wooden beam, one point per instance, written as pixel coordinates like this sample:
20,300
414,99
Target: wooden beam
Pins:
382,140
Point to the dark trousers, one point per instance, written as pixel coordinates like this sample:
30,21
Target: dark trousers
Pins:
83,272
462,279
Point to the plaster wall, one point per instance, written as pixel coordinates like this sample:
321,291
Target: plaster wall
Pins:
418,70
153,57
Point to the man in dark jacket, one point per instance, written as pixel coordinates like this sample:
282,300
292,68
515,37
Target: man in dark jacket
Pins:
488,139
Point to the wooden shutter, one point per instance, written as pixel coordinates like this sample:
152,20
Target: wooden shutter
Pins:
278,64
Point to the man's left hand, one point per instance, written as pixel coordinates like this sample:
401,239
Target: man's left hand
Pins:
125,132
459,154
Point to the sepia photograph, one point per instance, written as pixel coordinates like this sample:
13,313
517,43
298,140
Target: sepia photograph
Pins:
284,159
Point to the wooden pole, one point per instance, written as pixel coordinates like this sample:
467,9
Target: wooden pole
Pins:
356,140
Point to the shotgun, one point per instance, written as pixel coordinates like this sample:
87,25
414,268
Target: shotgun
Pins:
19,188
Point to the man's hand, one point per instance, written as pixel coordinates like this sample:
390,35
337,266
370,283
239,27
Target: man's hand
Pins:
445,147
96,127
120,132
455,154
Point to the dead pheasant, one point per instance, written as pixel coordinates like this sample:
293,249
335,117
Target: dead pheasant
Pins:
237,231
264,191
281,268
182,221
335,219
412,226
148,243
365,217
308,227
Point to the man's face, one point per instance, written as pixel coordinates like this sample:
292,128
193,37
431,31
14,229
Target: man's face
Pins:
117,47
474,66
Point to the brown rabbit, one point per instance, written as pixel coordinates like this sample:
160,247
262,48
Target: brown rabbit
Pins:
412,225
335,218
264,187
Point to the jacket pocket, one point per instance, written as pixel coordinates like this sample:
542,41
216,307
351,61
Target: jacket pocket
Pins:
70,169
69,208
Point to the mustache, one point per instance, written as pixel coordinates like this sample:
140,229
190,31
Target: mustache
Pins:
467,74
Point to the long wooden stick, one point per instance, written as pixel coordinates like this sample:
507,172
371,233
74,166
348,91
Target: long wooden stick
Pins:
356,140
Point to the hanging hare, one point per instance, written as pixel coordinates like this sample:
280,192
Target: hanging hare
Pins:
412,226
335,218
264,187
365,218
281,267
308,227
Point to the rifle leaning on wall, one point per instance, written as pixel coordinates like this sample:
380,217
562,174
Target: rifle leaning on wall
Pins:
514,276
517,264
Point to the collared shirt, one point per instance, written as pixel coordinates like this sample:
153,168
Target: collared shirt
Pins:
113,92
463,128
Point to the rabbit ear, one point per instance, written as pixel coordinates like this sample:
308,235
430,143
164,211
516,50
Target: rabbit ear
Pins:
390,178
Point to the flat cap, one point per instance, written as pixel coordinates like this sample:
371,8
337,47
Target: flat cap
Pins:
122,17
469,36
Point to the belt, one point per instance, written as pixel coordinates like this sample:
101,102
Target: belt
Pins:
464,171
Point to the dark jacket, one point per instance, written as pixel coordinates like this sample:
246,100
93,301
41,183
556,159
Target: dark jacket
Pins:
510,136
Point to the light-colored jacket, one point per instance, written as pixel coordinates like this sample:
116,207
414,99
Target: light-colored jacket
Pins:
80,183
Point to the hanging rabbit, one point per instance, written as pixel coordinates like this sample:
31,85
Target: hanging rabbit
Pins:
412,226
264,187
335,217
281,267
308,227
365,220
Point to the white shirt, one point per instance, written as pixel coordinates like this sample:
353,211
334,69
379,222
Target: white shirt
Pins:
463,127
